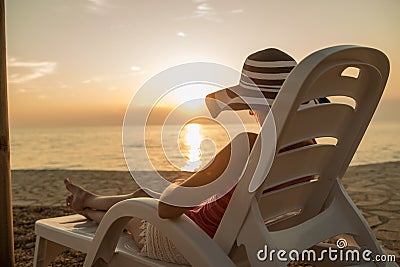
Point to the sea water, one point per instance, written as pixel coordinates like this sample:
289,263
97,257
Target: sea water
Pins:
189,148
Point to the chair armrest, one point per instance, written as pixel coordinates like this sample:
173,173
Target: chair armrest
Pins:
197,247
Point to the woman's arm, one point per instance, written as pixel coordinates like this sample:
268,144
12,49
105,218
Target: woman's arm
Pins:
203,177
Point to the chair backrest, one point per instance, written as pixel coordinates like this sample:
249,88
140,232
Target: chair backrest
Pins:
321,74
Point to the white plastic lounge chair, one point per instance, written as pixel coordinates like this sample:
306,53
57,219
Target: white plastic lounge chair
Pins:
297,217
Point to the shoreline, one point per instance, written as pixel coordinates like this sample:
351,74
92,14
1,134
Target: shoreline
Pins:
28,185
166,171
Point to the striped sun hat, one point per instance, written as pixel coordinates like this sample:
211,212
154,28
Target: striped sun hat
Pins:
262,76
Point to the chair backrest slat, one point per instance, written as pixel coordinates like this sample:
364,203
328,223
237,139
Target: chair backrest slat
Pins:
335,82
305,125
291,199
312,160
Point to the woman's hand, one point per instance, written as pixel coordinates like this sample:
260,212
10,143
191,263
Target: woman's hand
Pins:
212,172
167,211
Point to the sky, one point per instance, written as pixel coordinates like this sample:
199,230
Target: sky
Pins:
79,62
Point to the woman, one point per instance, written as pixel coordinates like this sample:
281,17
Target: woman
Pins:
148,238
267,70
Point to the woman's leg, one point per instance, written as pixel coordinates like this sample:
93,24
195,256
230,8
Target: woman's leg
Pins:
133,225
82,198
94,215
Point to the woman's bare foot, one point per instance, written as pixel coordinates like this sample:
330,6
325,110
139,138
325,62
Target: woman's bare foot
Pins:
79,198
68,201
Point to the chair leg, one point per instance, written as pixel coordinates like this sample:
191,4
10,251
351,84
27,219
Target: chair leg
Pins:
362,233
46,251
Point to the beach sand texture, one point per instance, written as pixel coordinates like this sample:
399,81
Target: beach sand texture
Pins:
36,194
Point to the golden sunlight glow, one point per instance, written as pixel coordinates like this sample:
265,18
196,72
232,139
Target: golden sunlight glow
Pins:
192,142
189,96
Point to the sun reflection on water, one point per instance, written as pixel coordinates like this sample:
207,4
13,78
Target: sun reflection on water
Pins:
191,146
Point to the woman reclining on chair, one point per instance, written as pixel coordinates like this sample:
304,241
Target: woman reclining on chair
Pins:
147,237
208,215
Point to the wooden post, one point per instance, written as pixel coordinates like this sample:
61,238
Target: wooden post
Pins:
6,223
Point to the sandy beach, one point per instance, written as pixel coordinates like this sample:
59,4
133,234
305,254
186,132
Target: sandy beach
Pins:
40,194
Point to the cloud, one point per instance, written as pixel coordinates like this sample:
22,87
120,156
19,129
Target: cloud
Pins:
236,11
98,79
137,71
98,6
204,10
135,68
111,79
181,34
42,96
24,71
62,85
205,7
97,2
102,79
